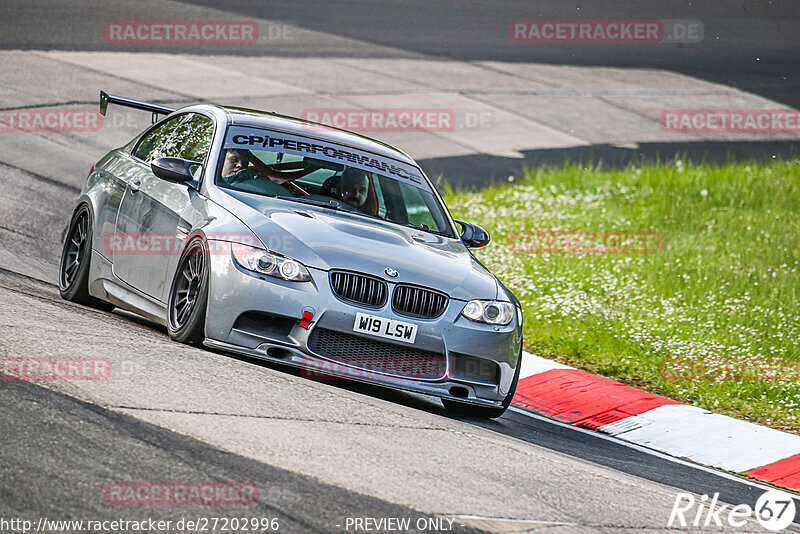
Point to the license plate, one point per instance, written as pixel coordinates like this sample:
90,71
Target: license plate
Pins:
386,328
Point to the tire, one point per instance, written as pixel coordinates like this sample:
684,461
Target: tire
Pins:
485,412
188,295
76,255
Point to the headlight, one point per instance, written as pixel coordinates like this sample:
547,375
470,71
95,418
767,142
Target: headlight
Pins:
489,311
265,262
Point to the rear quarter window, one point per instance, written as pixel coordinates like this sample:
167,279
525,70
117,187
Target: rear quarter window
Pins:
148,146
185,136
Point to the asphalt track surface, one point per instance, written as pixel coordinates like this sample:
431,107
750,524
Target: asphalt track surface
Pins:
318,452
751,45
72,449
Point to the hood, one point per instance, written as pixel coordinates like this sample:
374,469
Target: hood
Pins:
327,239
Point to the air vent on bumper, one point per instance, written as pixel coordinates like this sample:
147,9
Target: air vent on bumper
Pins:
376,356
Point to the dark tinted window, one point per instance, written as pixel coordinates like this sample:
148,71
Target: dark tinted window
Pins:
272,173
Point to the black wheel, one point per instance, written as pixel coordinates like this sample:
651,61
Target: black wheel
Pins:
485,412
73,272
188,295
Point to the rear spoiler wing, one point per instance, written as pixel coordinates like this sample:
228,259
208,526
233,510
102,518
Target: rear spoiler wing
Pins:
155,109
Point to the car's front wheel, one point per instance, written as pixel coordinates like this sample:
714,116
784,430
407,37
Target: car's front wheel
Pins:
188,295
73,272
485,412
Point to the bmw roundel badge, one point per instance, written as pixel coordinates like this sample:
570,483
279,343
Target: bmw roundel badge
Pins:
391,272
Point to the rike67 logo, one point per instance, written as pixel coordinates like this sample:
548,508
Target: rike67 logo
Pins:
775,510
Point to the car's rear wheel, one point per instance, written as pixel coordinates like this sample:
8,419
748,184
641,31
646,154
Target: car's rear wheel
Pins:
188,295
73,272
485,412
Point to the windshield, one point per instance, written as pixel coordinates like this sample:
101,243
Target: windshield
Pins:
325,174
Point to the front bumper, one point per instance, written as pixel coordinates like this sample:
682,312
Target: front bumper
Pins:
260,316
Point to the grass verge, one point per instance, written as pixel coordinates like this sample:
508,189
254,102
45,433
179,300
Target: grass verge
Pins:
680,279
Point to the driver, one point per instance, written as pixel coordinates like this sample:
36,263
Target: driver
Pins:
234,169
353,188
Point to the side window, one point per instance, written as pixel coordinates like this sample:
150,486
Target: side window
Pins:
191,140
147,149
379,193
419,208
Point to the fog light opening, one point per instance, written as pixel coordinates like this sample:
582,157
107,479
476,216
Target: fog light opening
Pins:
278,352
459,391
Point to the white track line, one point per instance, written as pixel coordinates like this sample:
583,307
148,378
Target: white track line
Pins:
705,437
507,520
657,454
534,365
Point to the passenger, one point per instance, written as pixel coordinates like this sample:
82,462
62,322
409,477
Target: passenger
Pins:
234,169
354,187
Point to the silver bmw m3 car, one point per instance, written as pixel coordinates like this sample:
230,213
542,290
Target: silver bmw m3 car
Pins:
282,239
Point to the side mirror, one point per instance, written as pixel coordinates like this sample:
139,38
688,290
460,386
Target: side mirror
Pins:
173,169
473,235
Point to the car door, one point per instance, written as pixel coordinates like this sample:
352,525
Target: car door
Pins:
155,215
